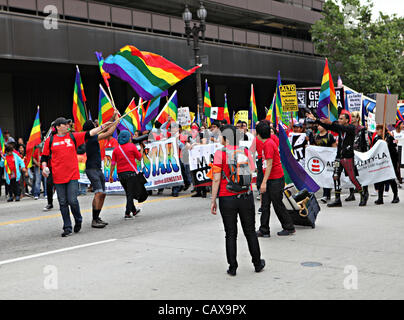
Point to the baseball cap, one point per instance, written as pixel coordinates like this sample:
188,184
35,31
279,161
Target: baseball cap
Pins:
60,121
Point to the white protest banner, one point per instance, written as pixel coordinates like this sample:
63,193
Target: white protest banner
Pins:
184,117
373,166
200,156
354,102
298,143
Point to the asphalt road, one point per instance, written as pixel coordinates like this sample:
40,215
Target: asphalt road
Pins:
174,249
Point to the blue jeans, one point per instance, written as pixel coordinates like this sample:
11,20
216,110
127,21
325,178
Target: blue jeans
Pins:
67,196
36,182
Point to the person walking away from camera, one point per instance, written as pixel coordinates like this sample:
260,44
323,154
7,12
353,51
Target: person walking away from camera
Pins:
93,169
232,203
13,168
345,155
124,158
60,149
272,185
398,134
391,144
325,139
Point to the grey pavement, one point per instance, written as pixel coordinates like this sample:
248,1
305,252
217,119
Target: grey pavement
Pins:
175,249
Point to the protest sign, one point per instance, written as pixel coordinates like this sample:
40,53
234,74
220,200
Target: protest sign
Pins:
373,166
371,122
298,143
242,115
289,98
386,108
200,156
184,117
354,102
308,97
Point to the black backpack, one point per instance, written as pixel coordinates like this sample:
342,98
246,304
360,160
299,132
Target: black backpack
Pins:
240,173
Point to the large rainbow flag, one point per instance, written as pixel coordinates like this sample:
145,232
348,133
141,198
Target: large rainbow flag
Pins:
105,108
79,110
327,96
253,108
148,73
33,141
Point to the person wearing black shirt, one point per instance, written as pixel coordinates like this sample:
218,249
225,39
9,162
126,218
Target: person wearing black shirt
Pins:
345,155
94,172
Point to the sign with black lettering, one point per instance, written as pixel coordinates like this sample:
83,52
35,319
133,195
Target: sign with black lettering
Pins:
289,98
308,97
200,158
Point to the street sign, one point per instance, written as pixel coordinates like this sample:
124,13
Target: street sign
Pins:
289,98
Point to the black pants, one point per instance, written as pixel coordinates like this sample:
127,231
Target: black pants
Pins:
14,188
230,207
274,195
260,174
380,187
49,189
128,180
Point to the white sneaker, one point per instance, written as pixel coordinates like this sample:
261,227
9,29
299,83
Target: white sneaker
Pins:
373,194
55,196
36,198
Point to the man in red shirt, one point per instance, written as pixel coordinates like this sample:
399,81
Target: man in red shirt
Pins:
60,149
272,185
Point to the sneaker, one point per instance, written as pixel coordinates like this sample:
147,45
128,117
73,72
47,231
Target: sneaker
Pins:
128,216
17,198
10,199
231,272
101,221
324,199
66,233
135,213
77,227
97,224
285,233
261,266
186,187
259,197
48,207
396,200
263,235
174,194
374,194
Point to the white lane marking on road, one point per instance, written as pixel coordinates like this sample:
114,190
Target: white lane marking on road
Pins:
55,251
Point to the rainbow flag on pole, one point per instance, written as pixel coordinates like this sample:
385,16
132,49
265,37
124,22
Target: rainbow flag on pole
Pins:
33,141
226,110
207,104
151,113
105,75
149,74
79,111
131,122
327,96
105,108
253,108
170,109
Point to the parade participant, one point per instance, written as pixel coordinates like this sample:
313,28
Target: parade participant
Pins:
345,155
361,144
272,185
247,135
232,204
256,146
398,135
93,169
60,149
7,137
124,158
36,171
13,166
325,139
108,143
215,131
394,159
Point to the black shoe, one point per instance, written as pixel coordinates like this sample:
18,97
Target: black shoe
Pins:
136,212
335,204
48,207
231,272
286,232
261,266
260,210
174,194
379,201
150,192
66,233
263,235
196,195
10,199
17,198
203,195
97,224
186,187
77,227
350,198
396,199
128,216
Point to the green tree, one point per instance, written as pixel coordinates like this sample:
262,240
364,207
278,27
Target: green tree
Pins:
369,55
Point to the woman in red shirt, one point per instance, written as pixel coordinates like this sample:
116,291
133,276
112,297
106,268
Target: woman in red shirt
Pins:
124,157
232,204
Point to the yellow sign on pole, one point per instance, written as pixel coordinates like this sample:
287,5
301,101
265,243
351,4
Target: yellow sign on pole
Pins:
289,98
241,116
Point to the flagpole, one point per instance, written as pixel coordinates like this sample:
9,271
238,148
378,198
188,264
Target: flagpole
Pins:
85,106
119,119
168,101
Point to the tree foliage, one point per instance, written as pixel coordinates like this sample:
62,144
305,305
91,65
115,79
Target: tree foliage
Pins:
369,55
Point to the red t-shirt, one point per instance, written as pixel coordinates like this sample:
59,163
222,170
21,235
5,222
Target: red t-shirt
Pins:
11,164
105,144
119,159
65,166
275,139
220,164
257,146
37,156
270,151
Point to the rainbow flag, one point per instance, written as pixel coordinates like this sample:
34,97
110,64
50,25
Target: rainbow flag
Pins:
277,106
226,110
207,104
152,112
105,108
149,74
131,122
105,75
327,96
170,109
79,110
295,172
208,122
33,141
253,107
